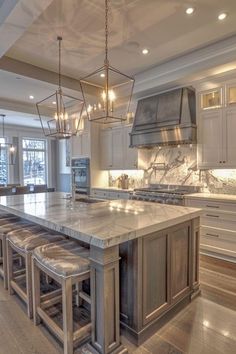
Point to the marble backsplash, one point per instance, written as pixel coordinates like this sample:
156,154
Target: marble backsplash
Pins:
173,165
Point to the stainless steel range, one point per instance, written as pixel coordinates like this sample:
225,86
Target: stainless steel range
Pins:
163,193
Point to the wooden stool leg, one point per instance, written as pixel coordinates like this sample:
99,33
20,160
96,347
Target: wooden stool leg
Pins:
29,285
67,315
0,247
9,267
36,291
4,262
78,300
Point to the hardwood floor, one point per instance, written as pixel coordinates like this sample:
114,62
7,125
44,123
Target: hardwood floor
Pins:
206,326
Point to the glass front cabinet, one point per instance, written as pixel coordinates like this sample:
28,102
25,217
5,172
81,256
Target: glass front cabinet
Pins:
230,95
216,128
211,99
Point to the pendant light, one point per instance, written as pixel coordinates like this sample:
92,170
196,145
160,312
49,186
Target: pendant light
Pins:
113,90
7,148
60,113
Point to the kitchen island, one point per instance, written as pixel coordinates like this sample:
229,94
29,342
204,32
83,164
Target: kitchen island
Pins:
144,259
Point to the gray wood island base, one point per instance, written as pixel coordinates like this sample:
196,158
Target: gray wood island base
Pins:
144,259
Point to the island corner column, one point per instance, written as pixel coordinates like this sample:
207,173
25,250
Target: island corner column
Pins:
105,301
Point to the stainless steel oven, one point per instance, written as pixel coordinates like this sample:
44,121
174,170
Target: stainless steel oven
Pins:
80,172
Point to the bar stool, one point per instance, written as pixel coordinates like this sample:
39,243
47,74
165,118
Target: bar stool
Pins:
68,264
23,242
10,224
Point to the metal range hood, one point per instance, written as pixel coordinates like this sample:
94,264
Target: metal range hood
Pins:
165,119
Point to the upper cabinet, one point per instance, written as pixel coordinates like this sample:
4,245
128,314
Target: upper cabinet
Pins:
211,99
217,126
80,144
115,151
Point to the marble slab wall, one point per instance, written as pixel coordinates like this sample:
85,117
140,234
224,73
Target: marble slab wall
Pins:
173,165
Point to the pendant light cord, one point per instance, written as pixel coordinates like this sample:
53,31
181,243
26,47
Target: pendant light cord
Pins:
106,30
59,69
3,124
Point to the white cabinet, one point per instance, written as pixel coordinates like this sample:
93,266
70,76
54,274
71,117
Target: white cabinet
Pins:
109,194
130,154
115,151
229,138
117,148
210,139
106,149
218,227
217,126
111,147
217,143
81,145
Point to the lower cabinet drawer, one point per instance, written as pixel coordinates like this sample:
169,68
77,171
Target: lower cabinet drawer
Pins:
217,219
211,205
218,241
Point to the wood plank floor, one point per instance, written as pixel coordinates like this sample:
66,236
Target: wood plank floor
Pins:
206,326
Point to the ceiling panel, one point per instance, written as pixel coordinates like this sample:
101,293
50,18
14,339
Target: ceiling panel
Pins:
160,25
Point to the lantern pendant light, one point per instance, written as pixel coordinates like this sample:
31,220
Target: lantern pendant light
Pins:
7,148
60,113
112,90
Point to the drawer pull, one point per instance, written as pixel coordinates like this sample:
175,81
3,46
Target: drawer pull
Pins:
212,216
213,206
212,235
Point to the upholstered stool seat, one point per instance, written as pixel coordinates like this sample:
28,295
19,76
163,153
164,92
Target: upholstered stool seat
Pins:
68,264
66,258
27,239
7,225
23,241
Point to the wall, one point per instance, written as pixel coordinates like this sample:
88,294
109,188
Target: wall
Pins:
173,165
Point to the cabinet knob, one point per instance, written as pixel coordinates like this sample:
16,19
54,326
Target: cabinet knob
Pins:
223,161
220,161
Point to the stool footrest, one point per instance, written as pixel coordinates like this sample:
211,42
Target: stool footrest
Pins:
51,324
82,333
85,297
19,291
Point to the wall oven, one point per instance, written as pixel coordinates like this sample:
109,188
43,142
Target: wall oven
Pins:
80,173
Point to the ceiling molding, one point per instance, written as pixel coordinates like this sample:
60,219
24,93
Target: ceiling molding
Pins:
15,17
17,106
174,71
34,72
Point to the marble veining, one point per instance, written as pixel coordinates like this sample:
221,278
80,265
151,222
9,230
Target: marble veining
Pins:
101,224
173,165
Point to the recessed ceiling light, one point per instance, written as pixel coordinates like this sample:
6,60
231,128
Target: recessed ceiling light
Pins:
145,51
31,97
102,75
54,102
189,11
222,16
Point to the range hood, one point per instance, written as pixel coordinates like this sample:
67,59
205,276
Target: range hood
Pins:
165,119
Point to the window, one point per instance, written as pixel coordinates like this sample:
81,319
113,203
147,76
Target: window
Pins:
34,161
3,163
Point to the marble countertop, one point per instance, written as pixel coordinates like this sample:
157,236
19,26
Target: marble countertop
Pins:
231,198
102,224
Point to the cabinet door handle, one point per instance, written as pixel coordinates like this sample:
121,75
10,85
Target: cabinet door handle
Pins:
212,216
212,235
213,206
